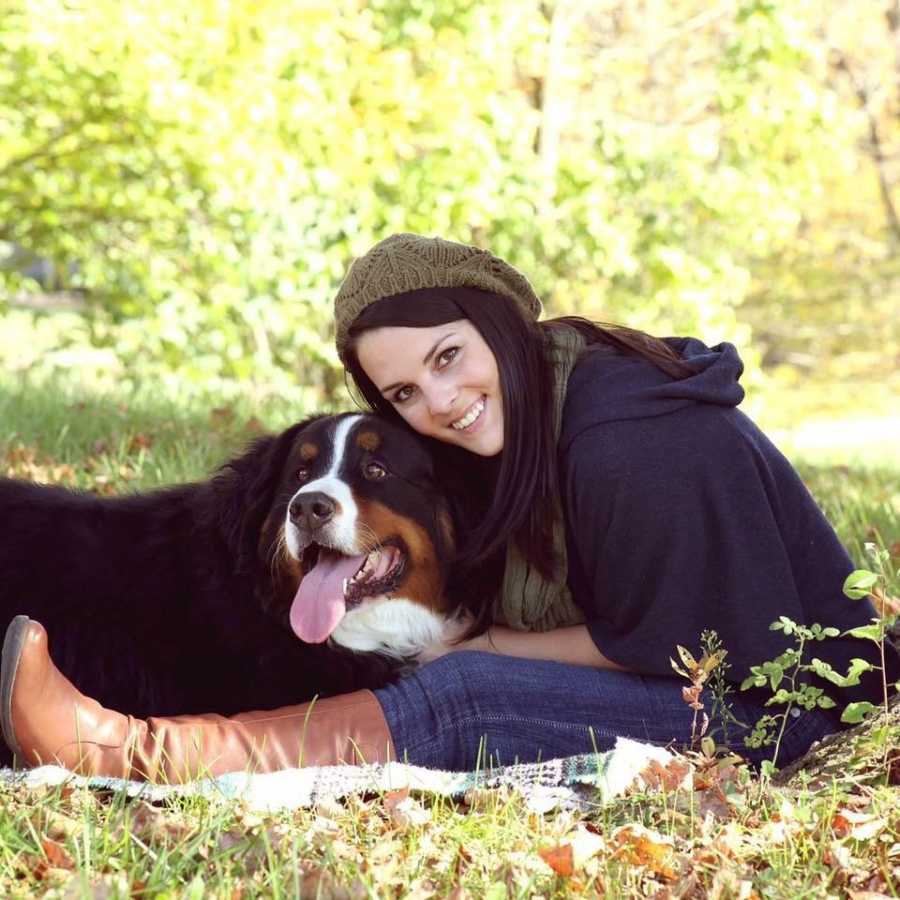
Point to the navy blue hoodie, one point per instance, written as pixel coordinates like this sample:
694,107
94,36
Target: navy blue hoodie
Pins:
682,516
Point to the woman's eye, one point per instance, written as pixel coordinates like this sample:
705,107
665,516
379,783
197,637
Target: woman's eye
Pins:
447,356
374,470
302,473
403,394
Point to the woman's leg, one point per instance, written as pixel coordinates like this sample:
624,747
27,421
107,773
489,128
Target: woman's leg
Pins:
464,710
45,719
471,709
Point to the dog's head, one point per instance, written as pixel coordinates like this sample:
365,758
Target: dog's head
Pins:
358,536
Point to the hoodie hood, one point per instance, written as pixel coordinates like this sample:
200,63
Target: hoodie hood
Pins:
608,386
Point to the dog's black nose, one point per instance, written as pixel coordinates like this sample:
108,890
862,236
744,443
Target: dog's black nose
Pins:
312,510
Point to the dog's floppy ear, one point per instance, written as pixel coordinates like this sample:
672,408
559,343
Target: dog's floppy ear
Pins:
246,487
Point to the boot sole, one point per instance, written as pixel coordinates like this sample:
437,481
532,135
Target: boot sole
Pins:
13,644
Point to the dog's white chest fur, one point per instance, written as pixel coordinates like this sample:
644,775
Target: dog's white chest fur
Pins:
395,627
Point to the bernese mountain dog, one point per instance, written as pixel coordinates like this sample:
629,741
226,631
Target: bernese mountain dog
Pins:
313,564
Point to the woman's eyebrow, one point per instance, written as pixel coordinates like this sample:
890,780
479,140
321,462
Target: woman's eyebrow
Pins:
388,388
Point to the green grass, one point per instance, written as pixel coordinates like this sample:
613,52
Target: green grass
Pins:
726,835
144,439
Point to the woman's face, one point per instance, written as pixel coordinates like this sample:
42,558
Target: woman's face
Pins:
443,380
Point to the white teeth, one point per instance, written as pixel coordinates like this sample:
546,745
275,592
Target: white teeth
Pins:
367,567
469,417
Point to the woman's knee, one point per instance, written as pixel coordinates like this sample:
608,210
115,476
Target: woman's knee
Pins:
461,676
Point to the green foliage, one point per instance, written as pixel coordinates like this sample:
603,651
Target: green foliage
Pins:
782,676
197,179
789,666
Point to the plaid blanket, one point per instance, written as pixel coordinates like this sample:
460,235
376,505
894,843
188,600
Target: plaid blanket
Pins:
575,782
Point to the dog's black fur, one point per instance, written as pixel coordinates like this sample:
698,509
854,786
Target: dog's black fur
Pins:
172,601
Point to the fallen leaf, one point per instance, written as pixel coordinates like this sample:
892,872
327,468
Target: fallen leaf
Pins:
230,839
559,858
57,825
57,855
669,777
715,803
139,442
726,883
156,825
644,847
404,811
859,826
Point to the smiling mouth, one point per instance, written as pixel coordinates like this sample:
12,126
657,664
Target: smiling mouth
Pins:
472,416
373,574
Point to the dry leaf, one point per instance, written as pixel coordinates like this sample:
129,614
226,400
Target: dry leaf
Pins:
714,802
156,825
227,840
58,826
645,847
404,811
57,855
672,776
726,884
139,442
560,858
859,826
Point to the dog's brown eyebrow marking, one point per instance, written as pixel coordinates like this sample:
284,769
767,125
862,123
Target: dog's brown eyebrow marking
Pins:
368,440
308,451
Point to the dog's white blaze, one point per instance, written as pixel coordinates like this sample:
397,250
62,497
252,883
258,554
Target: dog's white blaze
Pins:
393,626
341,531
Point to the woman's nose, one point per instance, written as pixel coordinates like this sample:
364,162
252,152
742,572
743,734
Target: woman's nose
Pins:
440,398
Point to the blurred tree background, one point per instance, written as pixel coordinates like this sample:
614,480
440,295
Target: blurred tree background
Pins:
182,185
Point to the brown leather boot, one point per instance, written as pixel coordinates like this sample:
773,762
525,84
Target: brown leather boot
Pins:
45,719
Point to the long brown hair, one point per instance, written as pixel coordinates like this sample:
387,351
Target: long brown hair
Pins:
515,494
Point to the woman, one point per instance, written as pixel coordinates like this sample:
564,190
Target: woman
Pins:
616,505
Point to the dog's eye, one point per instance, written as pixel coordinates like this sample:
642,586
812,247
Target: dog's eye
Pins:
302,473
374,470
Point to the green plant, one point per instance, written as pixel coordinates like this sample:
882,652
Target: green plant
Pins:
789,665
859,584
782,674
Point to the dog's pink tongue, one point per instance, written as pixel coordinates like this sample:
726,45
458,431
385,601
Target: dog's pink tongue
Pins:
319,605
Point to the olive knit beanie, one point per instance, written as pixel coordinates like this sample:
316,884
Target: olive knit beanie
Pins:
409,262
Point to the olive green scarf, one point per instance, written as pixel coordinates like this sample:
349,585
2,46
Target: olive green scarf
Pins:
528,601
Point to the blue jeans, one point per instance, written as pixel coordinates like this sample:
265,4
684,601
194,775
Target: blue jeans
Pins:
470,709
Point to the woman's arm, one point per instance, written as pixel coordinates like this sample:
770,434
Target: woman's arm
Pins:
572,645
